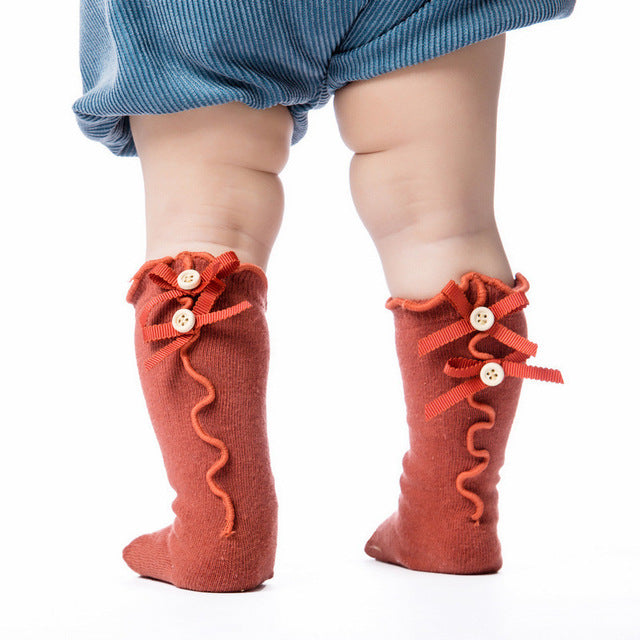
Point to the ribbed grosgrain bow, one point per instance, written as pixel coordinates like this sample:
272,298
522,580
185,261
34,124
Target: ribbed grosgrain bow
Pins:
512,365
205,294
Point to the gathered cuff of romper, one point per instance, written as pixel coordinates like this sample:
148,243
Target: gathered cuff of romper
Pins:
437,28
114,131
157,58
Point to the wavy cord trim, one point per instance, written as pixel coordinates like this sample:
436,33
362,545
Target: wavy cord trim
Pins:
221,446
512,364
482,454
208,292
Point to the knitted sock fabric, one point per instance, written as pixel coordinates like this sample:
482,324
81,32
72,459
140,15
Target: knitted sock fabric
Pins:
202,350
462,358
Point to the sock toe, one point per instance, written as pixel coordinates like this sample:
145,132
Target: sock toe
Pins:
372,548
381,544
148,555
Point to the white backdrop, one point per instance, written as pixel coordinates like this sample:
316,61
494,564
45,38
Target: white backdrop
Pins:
80,470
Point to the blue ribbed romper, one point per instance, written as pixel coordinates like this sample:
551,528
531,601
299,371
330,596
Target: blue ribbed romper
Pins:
164,56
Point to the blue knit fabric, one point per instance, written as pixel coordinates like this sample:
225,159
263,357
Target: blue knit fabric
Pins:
164,56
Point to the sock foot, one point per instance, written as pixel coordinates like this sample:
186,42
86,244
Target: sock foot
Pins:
477,553
216,565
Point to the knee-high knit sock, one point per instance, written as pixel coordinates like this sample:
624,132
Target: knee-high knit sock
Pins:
202,349
462,358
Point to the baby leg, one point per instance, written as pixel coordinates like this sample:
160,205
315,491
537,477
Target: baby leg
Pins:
422,180
422,174
211,179
214,205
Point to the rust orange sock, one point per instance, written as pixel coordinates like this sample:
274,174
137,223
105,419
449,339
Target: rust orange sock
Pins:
202,349
462,357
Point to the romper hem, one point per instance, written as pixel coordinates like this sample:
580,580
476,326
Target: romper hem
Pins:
438,28
139,58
